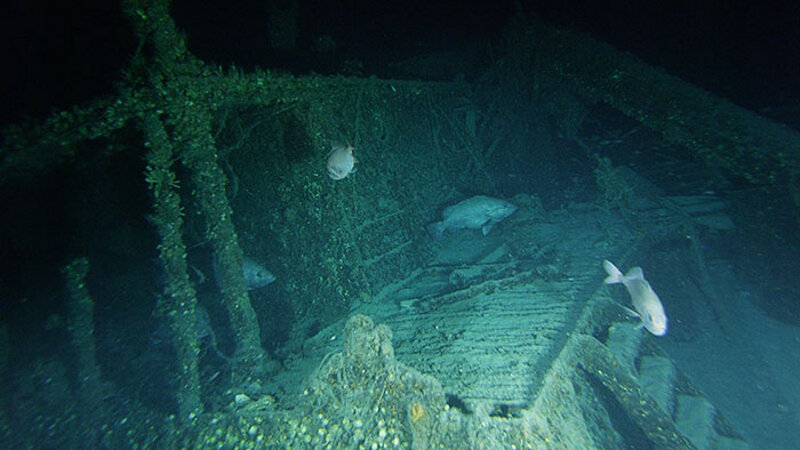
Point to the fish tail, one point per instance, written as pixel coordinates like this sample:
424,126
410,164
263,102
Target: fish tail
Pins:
614,274
436,229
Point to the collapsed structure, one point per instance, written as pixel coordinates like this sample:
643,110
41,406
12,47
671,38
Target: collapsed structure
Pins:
356,247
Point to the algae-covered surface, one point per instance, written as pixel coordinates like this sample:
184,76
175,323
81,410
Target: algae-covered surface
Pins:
183,268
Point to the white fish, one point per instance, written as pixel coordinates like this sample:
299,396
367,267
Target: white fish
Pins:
645,301
475,212
341,161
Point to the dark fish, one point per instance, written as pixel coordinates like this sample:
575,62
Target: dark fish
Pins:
478,212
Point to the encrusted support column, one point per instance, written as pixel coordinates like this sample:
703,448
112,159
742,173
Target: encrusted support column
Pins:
185,103
80,316
200,156
152,23
180,300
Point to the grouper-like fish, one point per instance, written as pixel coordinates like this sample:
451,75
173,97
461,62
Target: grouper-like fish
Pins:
254,274
478,212
645,301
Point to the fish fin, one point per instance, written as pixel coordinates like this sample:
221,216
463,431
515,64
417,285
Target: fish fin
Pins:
614,274
640,326
199,244
338,146
201,277
436,229
635,273
487,228
631,312
627,310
